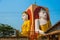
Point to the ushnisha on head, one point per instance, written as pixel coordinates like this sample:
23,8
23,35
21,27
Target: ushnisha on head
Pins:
24,16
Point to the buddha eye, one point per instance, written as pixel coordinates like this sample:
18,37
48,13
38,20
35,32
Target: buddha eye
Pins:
23,15
44,12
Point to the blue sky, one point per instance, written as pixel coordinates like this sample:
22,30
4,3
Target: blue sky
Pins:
11,11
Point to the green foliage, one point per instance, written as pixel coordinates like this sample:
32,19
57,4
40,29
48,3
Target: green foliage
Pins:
6,29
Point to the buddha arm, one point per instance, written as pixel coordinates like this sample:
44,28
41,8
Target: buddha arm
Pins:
37,27
23,29
28,26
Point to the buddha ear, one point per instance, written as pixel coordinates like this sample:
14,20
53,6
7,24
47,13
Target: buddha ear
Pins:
41,9
40,13
27,16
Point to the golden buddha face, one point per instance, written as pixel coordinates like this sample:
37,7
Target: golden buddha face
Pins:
24,16
42,14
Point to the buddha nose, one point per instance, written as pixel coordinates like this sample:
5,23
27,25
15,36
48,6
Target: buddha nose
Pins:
45,14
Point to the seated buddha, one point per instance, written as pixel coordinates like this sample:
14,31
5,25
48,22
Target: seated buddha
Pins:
26,24
42,24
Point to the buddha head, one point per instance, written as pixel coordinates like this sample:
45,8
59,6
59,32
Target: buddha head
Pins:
25,16
43,14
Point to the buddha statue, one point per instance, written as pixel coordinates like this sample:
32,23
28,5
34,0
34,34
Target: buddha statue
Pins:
26,24
42,24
